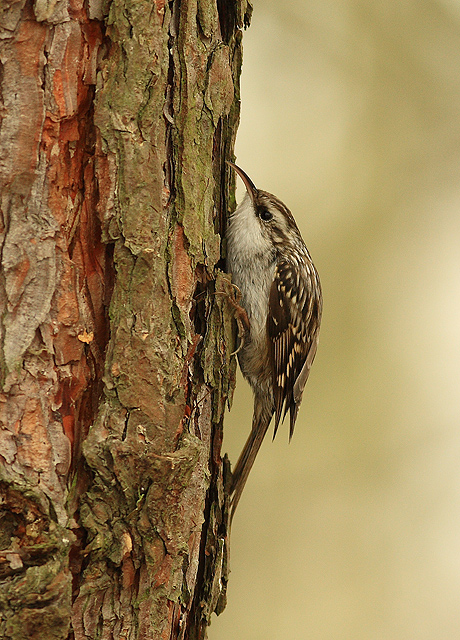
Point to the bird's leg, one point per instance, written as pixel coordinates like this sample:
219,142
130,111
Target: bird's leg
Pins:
239,313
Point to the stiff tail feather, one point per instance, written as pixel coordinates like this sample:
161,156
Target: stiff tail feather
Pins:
260,423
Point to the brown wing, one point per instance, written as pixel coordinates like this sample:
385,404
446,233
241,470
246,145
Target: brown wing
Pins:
293,325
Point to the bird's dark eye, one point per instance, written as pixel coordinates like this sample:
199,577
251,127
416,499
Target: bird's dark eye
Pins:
265,215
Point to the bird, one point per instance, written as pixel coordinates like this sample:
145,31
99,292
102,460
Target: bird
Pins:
280,292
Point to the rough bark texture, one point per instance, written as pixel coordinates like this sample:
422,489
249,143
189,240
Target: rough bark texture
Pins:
116,329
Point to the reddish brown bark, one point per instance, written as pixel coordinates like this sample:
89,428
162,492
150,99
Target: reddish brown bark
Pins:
55,281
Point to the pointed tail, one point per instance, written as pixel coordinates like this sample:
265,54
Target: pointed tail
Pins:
260,422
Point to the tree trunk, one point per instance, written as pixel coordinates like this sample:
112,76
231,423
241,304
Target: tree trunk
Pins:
116,327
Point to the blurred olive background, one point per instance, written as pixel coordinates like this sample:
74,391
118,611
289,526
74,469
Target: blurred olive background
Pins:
350,115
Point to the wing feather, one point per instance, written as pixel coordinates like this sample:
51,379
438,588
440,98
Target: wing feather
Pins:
292,326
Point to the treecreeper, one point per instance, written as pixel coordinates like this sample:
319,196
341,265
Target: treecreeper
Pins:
281,295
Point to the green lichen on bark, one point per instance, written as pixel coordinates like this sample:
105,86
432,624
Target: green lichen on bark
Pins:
219,366
35,581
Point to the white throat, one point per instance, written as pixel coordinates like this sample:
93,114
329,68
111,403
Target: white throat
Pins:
249,251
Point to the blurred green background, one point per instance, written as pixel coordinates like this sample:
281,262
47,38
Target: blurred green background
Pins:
351,115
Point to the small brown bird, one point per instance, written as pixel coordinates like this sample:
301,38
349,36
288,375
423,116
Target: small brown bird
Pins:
281,294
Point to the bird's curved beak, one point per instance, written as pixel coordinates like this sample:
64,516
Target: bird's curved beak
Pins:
248,183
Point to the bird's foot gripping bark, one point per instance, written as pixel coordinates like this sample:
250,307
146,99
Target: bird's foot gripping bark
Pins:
239,313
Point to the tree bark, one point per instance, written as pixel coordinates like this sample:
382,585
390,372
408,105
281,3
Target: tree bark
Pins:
116,330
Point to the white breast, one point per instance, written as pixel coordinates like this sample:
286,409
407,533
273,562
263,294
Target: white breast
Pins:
250,259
